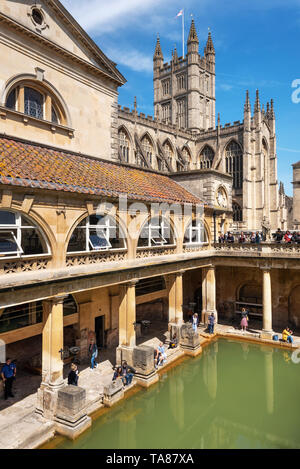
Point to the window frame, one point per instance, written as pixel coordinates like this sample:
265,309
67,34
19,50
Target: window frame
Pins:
200,227
50,102
87,227
19,227
151,225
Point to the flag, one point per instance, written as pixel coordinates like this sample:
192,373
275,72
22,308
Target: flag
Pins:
180,13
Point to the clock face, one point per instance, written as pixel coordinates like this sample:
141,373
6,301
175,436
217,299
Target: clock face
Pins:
221,198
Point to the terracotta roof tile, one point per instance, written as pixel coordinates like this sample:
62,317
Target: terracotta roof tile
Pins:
30,165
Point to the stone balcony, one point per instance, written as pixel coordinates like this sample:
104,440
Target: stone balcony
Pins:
264,249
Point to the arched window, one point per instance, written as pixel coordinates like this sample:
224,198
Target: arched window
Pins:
250,297
19,237
168,151
70,306
237,212
156,232
234,164
181,113
147,148
33,103
206,157
195,233
124,145
97,233
187,157
35,100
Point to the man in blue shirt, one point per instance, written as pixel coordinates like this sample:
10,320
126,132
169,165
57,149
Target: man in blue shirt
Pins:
8,374
211,323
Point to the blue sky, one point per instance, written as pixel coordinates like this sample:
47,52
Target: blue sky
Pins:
257,46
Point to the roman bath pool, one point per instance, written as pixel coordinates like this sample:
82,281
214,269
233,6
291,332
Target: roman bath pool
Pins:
234,395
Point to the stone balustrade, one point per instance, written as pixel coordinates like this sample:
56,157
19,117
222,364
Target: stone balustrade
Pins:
24,264
154,251
262,249
96,257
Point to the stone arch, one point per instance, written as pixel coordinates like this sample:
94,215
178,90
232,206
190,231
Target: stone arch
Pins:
233,155
205,226
206,157
126,150
44,85
149,136
265,144
187,151
151,155
83,217
173,228
43,227
249,292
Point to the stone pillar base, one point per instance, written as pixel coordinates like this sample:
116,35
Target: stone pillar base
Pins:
141,358
124,353
266,335
192,352
147,380
71,419
172,329
47,397
190,340
113,392
72,430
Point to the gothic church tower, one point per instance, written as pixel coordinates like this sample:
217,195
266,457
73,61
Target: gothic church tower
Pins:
184,89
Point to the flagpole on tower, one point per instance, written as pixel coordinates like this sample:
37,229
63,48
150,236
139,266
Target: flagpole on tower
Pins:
183,34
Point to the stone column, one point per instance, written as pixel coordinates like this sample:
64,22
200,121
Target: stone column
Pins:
52,360
179,297
53,342
172,298
209,293
127,319
267,304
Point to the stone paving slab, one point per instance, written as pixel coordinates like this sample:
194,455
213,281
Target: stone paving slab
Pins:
26,433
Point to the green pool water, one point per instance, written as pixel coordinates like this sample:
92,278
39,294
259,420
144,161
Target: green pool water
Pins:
235,395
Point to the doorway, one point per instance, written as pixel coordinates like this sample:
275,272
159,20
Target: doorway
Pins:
99,331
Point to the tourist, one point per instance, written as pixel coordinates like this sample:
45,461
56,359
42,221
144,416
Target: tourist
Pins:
73,375
174,342
287,335
257,238
117,373
288,237
195,322
127,373
93,351
252,238
242,238
278,236
8,374
163,356
230,237
221,238
244,320
297,237
211,323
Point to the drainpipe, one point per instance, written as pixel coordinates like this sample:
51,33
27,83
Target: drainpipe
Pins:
215,226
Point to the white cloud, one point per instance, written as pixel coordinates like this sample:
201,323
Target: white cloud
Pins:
133,59
290,150
102,16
